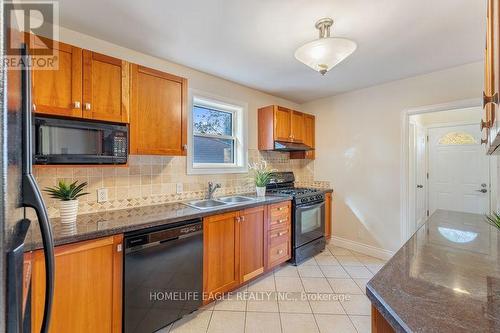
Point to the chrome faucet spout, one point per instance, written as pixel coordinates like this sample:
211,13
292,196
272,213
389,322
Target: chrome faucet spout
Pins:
211,189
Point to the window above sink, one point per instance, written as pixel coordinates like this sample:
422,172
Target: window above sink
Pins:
217,135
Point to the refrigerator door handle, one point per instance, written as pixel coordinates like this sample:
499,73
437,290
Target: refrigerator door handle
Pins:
32,196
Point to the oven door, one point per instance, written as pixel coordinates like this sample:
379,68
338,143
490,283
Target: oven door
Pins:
309,223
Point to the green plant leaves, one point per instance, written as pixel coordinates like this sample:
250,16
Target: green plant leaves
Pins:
493,219
66,192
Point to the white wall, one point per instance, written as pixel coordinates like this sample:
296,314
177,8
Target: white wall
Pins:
196,79
358,142
465,116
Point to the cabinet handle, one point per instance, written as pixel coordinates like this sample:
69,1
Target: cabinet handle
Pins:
280,251
87,106
34,107
243,218
185,147
119,248
237,219
281,208
490,99
77,105
281,221
281,233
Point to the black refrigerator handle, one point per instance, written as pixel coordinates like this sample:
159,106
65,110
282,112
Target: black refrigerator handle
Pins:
32,196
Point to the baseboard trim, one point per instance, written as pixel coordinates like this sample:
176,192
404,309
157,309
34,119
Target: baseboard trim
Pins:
369,250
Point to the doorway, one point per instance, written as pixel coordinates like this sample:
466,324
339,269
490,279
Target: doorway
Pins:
446,167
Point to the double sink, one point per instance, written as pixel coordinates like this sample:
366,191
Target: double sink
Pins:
220,202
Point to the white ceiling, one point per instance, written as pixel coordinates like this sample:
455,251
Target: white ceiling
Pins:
252,42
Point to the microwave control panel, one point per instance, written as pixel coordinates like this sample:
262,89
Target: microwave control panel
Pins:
120,146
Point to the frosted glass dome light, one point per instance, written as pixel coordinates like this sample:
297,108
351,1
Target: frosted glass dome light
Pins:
326,52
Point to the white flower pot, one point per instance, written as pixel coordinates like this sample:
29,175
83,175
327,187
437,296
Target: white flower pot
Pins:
68,211
261,191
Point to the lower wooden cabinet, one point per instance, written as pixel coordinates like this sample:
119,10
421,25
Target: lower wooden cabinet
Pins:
239,246
220,253
279,245
88,287
328,216
252,229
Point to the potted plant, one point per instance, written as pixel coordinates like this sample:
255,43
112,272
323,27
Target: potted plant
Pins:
262,176
493,219
68,195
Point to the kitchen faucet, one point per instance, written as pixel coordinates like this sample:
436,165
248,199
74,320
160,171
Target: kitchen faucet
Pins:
211,189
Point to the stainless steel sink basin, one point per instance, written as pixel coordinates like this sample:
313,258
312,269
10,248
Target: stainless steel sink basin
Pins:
205,204
235,199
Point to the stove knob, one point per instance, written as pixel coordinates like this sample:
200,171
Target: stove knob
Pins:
303,200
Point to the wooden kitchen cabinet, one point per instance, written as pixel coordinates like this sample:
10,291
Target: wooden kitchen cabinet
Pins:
105,88
221,245
86,85
277,123
309,122
158,113
88,287
252,229
58,92
328,215
279,245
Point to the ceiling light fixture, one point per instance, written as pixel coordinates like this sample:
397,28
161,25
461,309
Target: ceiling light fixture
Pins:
326,52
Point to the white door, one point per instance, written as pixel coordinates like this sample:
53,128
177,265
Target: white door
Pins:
420,176
458,170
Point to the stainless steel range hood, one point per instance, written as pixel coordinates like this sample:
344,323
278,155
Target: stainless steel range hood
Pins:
290,146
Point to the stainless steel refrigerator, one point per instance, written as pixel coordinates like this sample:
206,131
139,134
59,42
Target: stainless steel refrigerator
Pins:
19,191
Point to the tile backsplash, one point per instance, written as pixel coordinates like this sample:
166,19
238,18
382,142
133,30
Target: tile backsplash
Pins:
149,180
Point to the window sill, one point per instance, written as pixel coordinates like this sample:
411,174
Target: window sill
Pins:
216,170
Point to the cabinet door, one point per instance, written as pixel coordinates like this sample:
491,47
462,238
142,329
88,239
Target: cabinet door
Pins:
252,225
309,122
105,87
282,124
158,123
88,287
220,253
59,92
328,215
297,126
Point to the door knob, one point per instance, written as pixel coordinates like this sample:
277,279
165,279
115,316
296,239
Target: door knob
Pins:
420,186
483,190
483,185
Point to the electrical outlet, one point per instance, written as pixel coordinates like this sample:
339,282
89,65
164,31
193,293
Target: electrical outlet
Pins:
102,195
179,188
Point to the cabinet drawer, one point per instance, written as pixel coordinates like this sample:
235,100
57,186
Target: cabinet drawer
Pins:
279,235
279,253
280,221
280,209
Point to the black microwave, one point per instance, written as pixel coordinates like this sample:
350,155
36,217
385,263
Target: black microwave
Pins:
67,141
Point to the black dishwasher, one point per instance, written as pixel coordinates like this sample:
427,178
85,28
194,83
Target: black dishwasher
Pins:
163,275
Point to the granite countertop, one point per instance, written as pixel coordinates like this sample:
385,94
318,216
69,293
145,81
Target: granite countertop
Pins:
95,225
446,278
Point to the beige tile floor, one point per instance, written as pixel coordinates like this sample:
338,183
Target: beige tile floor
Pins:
325,294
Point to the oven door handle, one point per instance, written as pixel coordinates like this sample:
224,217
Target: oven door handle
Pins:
318,204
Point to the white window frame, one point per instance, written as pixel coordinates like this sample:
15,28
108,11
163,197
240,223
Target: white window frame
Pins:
240,116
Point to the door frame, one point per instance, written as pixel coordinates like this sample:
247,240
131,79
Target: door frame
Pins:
405,224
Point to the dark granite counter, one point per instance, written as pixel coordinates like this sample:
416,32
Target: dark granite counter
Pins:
95,225
446,278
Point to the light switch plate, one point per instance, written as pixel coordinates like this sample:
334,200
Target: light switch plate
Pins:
179,188
102,195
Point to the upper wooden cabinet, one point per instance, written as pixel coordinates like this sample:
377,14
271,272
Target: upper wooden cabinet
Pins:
287,124
86,84
59,92
309,127
88,287
277,123
158,112
105,87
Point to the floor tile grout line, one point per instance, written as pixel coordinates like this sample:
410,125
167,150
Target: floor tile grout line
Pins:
309,303
278,303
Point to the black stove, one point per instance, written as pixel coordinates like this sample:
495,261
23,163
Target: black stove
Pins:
308,216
